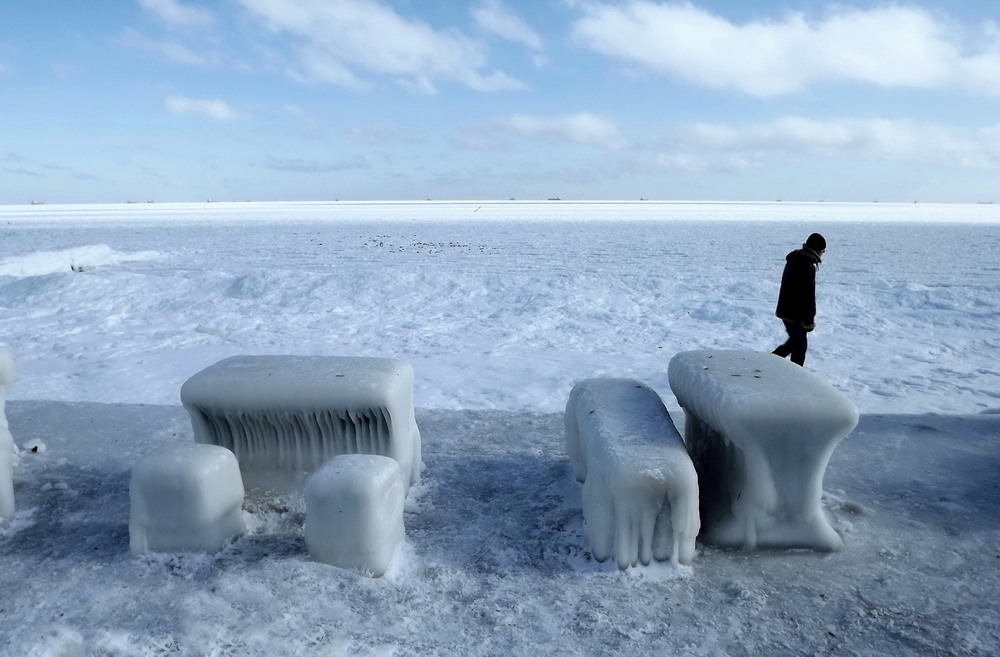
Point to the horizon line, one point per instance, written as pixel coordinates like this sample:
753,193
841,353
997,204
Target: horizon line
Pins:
552,200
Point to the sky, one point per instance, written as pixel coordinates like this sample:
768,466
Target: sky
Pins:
316,100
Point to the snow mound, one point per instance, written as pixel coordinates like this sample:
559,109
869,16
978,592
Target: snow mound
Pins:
77,259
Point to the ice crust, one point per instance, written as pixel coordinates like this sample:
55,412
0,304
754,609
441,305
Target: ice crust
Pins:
761,431
185,497
354,512
640,488
284,416
7,446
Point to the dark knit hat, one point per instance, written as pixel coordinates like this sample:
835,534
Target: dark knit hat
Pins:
816,242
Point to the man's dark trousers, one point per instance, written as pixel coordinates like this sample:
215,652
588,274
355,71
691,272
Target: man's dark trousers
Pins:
796,344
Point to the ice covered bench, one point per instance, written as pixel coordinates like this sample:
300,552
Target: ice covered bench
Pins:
6,441
761,431
354,512
185,497
640,489
284,416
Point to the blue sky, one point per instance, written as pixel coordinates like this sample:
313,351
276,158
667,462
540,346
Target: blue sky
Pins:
178,100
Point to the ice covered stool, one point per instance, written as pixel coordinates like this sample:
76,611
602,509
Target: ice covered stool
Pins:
6,441
354,512
761,431
185,497
640,488
284,416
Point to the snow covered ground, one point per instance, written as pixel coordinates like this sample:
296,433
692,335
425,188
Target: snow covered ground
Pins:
500,307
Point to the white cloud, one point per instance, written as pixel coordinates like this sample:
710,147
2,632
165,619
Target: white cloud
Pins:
479,138
581,128
900,141
178,15
218,110
170,51
888,46
380,135
300,165
341,42
696,162
496,18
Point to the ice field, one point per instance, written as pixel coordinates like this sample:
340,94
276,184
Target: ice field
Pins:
500,308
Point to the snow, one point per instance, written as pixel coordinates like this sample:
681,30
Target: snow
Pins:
640,488
284,416
501,308
7,447
761,431
79,259
185,497
354,512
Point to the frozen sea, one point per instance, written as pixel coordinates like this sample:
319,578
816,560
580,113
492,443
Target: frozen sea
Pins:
500,307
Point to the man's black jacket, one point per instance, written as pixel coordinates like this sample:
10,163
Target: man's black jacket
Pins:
797,297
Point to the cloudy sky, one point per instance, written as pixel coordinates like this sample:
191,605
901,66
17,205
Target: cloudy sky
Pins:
185,100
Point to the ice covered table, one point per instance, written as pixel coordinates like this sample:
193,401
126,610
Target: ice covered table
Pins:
761,431
640,489
284,416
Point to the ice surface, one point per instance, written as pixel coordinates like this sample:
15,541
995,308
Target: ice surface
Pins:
640,488
284,416
7,446
761,431
354,512
531,302
185,497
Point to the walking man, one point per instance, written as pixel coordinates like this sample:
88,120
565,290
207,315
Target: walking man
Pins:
797,297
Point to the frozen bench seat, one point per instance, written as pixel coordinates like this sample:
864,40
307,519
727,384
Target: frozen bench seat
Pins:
640,489
185,497
284,416
761,431
354,512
